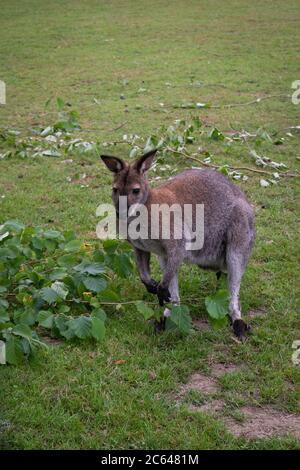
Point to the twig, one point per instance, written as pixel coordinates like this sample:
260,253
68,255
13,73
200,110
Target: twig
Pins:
248,103
256,170
212,165
128,302
118,127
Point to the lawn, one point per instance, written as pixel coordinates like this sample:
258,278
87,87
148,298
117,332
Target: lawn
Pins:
127,67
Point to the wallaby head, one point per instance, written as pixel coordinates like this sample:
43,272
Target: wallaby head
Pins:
130,179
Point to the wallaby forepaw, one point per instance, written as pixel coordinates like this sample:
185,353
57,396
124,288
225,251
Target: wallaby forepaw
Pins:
163,294
240,329
151,286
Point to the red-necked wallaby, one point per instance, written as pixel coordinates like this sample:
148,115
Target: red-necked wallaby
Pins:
228,229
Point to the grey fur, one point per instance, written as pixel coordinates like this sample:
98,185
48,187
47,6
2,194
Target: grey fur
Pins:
229,234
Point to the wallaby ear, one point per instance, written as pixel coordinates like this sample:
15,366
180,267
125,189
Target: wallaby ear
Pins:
114,164
144,163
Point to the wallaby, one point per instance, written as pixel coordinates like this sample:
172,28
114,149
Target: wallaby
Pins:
229,230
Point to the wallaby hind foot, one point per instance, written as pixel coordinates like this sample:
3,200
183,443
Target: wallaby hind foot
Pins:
240,329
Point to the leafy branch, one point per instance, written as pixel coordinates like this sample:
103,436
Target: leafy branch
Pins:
52,281
53,284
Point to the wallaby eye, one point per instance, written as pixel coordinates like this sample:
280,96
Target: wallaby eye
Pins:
136,190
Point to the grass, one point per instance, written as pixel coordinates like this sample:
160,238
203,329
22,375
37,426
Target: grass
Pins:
76,396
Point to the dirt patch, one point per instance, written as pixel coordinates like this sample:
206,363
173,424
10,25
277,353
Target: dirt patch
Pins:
256,423
52,341
264,422
201,383
83,180
201,324
213,406
90,235
218,370
257,313
204,383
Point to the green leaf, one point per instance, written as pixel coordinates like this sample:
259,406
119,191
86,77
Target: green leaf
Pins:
4,316
22,330
145,310
61,323
4,303
38,243
110,246
215,134
90,268
81,326
122,265
45,319
98,328
224,169
218,324
60,288
67,261
181,317
36,277
14,351
110,296
53,235
73,246
5,326
217,305
60,103
7,253
14,226
28,317
50,245
49,295
99,313
64,308
94,284
58,274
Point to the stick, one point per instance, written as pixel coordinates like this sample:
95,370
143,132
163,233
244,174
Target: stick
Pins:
211,165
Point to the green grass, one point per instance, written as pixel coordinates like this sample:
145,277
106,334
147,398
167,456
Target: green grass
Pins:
76,396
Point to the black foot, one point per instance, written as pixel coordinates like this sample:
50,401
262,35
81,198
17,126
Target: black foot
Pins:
151,286
240,328
160,326
163,294
218,274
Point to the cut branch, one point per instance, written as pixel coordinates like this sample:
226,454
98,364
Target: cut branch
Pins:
212,165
